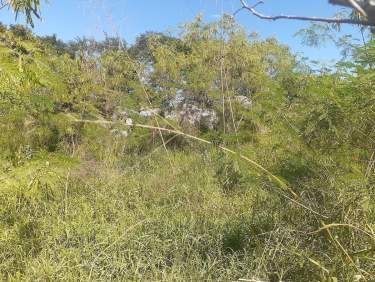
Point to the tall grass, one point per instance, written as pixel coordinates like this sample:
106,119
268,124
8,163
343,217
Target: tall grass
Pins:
105,215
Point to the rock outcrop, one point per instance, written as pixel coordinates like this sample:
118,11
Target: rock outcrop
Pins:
183,110
245,101
150,112
195,116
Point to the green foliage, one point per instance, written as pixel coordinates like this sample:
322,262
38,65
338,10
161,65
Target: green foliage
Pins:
80,202
227,174
213,63
30,8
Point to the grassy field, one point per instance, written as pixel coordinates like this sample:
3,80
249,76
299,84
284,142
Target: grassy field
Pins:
192,214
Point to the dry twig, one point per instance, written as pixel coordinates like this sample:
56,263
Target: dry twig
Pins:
355,5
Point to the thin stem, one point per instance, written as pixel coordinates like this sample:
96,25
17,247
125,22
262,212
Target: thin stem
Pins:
3,5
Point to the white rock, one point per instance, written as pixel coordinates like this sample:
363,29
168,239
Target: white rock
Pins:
129,121
149,112
244,101
120,133
194,116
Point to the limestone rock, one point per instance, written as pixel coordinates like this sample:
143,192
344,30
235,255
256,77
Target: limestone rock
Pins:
120,133
244,101
149,112
194,116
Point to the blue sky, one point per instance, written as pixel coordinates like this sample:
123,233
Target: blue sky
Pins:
91,18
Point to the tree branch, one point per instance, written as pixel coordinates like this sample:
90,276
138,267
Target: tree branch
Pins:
252,10
3,5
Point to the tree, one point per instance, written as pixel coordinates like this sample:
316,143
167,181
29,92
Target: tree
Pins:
30,8
364,13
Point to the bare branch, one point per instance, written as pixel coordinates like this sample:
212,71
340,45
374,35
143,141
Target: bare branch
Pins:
258,3
252,10
240,9
237,11
3,4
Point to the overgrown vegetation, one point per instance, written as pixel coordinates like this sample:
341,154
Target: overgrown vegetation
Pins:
80,201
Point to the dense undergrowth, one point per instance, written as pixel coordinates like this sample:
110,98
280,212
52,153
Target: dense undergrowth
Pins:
78,203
